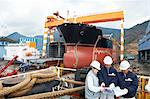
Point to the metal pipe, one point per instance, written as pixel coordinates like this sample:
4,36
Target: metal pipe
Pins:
122,41
44,42
67,69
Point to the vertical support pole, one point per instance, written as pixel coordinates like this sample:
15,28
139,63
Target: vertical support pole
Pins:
143,88
140,88
145,55
122,41
139,56
61,71
59,49
44,42
51,35
58,72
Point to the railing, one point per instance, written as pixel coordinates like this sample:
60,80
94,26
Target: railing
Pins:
142,93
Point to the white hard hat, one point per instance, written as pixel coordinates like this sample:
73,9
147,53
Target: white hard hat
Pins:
95,64
124,65
108,60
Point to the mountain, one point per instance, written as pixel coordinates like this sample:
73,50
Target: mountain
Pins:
133,35
15,36
136,32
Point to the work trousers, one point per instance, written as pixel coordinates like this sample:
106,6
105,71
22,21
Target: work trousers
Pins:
106,96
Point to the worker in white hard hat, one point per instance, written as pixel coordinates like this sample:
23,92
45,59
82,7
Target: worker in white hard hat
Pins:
92,87
107,77
127,81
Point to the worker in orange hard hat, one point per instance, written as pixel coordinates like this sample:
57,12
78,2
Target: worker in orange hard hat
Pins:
127,81
107,77
92,87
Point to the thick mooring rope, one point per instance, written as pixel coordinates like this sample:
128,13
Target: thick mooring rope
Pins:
9,90
52,94
23,87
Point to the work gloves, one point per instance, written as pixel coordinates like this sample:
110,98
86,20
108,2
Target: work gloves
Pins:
112,85
125,91
120,92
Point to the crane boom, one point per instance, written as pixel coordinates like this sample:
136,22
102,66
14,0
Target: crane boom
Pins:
106,17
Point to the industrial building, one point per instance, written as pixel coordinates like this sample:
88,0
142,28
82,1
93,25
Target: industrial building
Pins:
144,46
36,42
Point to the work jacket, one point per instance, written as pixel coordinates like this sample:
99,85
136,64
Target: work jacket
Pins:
107,77
92,88
129,82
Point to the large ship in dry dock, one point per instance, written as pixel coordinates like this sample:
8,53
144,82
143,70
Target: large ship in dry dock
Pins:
85,41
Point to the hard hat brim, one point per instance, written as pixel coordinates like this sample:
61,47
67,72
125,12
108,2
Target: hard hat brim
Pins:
96,68
124,68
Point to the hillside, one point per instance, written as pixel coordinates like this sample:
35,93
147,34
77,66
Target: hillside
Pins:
133,35
136,32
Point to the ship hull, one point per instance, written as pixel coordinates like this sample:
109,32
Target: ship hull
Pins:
81,56
84,43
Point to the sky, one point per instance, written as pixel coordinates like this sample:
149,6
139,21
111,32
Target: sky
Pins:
28,16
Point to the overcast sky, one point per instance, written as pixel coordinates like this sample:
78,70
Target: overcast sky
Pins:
28,16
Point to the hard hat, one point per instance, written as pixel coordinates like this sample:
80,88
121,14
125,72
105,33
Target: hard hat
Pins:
108,60
124,65
95,64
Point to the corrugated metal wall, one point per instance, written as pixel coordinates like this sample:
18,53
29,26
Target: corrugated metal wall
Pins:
144,43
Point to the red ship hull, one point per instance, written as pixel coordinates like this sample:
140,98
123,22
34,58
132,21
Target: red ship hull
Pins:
81,56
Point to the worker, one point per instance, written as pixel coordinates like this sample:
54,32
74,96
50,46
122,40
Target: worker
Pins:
127,81
25,66
147,87
92,87
107,77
